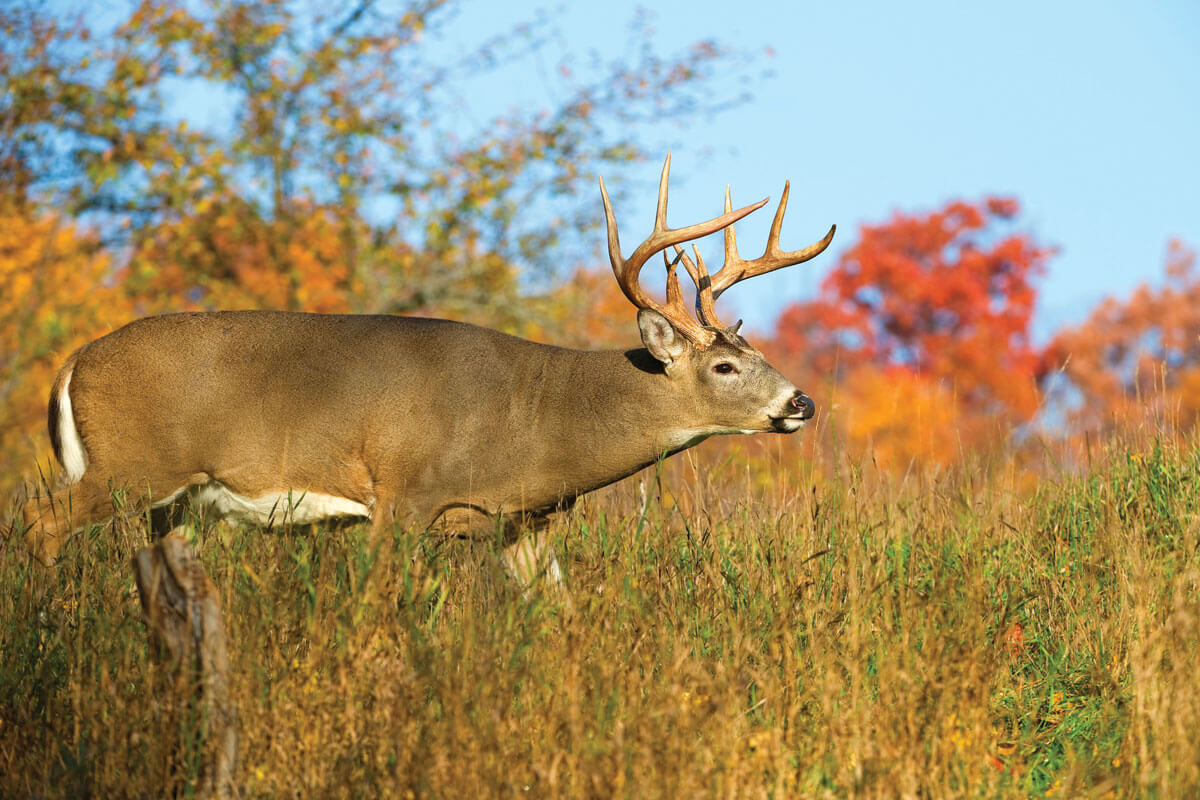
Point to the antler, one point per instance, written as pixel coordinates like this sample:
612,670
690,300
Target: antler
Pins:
737,268
660,239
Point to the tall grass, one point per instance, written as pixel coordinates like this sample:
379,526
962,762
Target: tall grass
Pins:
938,635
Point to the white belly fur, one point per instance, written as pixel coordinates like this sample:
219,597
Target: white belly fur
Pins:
296,506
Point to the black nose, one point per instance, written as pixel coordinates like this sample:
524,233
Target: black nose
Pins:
804,405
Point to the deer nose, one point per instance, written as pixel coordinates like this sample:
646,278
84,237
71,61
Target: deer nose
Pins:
804,405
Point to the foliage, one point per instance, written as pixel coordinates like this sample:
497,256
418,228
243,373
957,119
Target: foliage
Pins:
948,295
927,317
349,117
1133,354
939,636
57,287
897,416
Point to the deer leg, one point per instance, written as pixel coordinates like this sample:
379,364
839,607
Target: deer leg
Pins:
183,612
531,558
383,517
48,521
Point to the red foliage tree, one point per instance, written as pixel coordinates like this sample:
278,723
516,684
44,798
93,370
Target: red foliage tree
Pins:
946,295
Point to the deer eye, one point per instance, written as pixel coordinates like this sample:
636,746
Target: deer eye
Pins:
724,368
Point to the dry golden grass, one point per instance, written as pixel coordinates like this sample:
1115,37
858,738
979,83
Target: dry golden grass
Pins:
810,635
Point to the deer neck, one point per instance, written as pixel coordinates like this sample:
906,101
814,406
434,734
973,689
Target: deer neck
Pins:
619,412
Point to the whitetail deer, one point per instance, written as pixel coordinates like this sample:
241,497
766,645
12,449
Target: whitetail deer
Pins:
261,414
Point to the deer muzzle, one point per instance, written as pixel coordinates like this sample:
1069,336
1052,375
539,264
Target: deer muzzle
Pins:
800,409
803,406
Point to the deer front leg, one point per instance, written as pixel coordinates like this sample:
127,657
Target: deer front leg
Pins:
528,556
531,558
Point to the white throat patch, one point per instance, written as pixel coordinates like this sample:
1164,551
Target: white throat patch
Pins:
689,437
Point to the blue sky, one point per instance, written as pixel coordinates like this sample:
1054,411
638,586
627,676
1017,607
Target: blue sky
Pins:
1089,113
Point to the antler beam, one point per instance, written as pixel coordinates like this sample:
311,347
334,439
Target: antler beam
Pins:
660,239
736,268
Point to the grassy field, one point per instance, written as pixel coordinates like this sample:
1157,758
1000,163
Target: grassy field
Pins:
736,632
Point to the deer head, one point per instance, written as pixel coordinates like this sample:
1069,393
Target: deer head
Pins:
709,361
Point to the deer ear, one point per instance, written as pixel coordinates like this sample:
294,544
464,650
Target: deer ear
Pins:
660,337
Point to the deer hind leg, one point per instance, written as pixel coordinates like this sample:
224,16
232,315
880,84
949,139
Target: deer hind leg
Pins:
49,521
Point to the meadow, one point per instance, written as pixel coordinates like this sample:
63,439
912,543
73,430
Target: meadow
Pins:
738,627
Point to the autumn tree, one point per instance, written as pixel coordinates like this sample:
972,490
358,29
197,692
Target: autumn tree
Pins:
1133,356
336,113
925,321
57,286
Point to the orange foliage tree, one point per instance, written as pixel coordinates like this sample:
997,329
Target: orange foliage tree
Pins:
1133,356
924,327
56,287
333,130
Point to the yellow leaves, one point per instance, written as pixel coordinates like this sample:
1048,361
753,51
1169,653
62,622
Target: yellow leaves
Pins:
413,21
957,734
56,292
238,259
22,283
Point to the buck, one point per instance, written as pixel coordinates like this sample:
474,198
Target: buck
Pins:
265,415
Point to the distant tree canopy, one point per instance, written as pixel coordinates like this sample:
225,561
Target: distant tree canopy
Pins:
924,326
315,120
924,322
1134,355
948,294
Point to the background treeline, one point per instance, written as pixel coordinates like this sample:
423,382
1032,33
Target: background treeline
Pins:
172,155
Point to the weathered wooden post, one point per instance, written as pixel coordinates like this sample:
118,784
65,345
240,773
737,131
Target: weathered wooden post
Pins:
183,613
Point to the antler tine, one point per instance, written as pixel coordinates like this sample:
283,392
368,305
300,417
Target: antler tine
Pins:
632,289
660,211
731,253
674,292
774,257
705,305
662,237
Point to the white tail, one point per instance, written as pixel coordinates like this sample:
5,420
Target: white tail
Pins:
70,450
